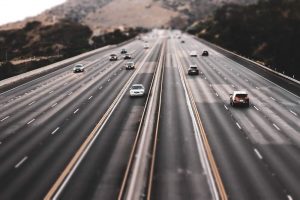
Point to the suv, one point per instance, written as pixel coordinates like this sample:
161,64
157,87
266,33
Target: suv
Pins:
239,98
78,68
113,57
193,70
129,65
205,53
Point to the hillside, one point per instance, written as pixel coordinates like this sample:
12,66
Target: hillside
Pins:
268,32
101,15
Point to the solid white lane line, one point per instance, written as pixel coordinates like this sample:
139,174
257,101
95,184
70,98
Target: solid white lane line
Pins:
5,118
53,132
76,111
31,103
258,154
53,105
21,162
238,125
226,107
276,127
90,97
31,121
290,197
293,113
256,108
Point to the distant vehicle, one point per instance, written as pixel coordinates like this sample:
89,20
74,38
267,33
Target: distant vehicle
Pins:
113,57
123,51
146,46
129,65
78,68
137,90
127,56
205,53
193,53
193,70
239,98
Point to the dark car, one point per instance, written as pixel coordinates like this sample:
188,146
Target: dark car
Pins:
193,70
123,51
205,53
127,56
113,57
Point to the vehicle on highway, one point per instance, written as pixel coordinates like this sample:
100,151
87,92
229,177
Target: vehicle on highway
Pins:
137,90
239,98
129,65
123,51
146,46
113,57
127,56
193,53
78,68
193,70
205,53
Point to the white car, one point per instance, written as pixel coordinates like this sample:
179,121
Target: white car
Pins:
193,53
146,46
137,90
129,65
78,68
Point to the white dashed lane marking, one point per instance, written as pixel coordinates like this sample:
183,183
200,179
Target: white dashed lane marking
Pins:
31,103
258,154
5,118
276,127
53,132
21,162
31,121
76,110
293,113
256,108
90,97
238,125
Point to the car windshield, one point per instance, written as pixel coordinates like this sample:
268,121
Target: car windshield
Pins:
78,66
136,87
241,95
193,67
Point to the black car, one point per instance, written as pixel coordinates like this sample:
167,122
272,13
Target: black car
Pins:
123,51
113,57
193,70
127,56
205,53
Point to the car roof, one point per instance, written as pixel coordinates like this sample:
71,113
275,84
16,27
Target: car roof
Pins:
130,62
138,85
78,65
240,92
193,65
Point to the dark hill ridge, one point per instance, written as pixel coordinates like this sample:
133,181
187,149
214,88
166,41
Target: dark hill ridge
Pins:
268,31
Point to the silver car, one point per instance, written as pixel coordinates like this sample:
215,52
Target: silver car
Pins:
137,90
78,68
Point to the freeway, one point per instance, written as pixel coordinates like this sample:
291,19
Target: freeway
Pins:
72,135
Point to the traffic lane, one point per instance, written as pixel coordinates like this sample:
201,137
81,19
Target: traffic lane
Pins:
105,164
231,70
48,160
66,121
79,85
261,132
282,82
243,175
222,84
33,82
178,172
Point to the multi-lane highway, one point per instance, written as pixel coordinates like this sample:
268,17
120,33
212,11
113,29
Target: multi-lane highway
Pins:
72,135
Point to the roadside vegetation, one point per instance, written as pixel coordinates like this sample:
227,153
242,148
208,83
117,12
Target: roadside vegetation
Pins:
36,45
267,32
